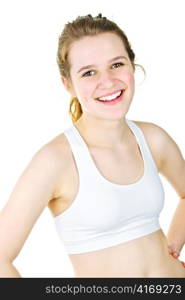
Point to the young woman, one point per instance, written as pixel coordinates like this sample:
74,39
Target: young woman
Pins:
100,176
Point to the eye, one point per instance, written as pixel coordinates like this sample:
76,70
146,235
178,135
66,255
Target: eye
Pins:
117,65
88,74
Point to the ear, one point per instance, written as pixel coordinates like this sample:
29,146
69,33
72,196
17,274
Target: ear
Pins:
68,85
65,83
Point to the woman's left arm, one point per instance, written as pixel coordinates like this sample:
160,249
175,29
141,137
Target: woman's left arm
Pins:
173,168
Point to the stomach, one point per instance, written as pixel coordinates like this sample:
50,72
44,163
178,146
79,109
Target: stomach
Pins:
147,256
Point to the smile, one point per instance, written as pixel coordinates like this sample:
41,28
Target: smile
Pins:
112,99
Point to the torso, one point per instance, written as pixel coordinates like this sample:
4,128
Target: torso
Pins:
131,259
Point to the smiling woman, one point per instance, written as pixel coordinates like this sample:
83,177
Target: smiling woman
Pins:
82,30
100,176
112,73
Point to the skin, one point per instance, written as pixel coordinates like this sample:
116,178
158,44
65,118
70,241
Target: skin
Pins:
36,189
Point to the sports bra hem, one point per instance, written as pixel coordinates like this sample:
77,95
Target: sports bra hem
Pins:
110,241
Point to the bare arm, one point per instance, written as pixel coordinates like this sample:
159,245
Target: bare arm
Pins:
172,166
31,194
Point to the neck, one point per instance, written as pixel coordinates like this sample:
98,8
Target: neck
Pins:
103,133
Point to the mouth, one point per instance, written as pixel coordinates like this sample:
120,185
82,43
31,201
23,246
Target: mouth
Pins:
113,99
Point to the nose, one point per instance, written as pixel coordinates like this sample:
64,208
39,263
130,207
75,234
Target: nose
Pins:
106,80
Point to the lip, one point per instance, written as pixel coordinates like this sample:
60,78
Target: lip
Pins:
110,94
113,102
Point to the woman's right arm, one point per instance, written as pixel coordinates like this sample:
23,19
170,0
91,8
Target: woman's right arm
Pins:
31,194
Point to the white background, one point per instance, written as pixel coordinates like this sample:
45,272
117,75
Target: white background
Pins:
34,104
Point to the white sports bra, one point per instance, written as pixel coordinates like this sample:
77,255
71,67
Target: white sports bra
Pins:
105,214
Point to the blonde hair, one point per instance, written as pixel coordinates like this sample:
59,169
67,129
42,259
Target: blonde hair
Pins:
85,26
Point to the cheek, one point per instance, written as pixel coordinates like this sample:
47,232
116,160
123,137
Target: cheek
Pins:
129,78
85,91
81,90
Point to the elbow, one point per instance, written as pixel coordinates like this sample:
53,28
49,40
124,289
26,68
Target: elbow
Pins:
7,270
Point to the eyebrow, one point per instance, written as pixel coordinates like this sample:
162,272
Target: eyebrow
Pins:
112,59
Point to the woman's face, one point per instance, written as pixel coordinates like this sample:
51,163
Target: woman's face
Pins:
100,67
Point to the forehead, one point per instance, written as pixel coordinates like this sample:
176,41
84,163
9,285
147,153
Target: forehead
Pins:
95,50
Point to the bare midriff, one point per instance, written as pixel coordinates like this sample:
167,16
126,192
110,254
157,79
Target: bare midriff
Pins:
147,256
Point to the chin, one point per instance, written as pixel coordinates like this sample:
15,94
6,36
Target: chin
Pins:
113,117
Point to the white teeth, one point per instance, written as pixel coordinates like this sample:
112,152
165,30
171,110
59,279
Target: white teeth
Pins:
108,98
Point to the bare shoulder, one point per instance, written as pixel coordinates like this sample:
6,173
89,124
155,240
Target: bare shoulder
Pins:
157,136
153,132
57,150
172,162
163,146
154,136
59,153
